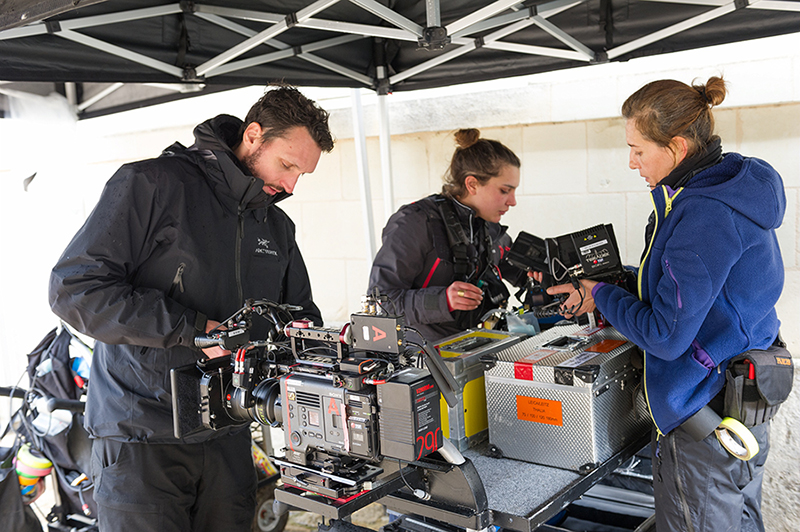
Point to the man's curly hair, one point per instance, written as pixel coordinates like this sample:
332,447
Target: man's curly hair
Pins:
284,108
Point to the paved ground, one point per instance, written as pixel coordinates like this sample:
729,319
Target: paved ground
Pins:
373,516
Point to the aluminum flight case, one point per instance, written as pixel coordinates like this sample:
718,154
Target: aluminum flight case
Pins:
465,425
566,398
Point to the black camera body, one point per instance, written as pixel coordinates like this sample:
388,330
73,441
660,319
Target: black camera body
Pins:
345,398
588,254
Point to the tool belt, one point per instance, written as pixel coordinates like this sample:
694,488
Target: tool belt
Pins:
757,382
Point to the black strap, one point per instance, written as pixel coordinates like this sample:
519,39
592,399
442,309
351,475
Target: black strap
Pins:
459,243
702,423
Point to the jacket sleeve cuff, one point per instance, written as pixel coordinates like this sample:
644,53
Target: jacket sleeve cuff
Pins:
193,328
200,323
597,287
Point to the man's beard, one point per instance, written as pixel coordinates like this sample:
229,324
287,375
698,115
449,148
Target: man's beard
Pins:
249,162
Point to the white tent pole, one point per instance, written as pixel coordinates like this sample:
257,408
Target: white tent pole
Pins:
360,140
385,139
433,13
672,30
273,31
99,96
71,92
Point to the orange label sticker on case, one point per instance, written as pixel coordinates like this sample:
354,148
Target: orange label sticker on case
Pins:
539,410
606,346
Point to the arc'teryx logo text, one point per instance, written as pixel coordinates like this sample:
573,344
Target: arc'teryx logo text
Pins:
263,247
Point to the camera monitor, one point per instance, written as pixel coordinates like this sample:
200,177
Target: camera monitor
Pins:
587,254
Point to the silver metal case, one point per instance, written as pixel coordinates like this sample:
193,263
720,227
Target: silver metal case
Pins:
566,398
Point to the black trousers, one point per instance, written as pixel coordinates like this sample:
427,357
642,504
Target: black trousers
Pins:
700,487
200,487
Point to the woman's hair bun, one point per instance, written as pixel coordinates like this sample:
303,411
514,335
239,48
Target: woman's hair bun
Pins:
713,92
467,137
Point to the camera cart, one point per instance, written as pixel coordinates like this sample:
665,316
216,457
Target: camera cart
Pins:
602,427
500,492
360,409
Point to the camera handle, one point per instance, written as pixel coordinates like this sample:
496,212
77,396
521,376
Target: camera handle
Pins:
441,375
238,332
229,340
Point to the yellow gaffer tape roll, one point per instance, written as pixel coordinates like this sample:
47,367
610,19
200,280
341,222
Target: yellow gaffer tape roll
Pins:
730,427
32,458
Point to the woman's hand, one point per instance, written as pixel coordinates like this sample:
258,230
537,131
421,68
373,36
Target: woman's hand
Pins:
580,301
463,296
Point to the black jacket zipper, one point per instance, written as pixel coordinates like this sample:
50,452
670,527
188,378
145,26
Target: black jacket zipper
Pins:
239,238
177,281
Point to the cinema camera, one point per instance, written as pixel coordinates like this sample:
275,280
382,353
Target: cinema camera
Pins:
588,254
346,398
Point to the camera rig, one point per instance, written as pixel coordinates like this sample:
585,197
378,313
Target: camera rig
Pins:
354,403
587,254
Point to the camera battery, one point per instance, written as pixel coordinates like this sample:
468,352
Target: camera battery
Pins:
566,398
410,426
465,424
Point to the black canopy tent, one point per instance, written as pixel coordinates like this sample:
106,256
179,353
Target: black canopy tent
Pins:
113,55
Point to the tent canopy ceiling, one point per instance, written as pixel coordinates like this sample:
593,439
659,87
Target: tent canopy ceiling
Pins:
116,54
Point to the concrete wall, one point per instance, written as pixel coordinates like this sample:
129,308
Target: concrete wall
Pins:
564,126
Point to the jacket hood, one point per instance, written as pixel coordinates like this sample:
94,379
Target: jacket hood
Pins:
215,140
747,185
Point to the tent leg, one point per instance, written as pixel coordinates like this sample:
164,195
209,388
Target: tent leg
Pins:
71,92
363,174
386,157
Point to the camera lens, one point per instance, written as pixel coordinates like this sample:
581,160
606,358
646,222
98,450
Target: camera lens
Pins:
262,406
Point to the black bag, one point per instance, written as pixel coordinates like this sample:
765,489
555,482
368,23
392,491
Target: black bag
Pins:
757,382
17,517
70,450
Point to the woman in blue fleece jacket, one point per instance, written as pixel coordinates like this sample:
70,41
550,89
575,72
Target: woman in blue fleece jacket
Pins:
710,276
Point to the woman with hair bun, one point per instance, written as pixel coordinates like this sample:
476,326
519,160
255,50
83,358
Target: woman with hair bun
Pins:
440,259
710,276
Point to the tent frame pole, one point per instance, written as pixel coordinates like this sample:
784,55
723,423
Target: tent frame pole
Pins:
362,163
385,139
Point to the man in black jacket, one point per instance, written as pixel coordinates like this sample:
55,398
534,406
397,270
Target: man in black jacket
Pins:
174,245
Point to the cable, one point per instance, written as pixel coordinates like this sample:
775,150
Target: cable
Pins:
422,352
394,307
419,362
415,331
11,412
556,260
547,311
320,349
400,468
418,493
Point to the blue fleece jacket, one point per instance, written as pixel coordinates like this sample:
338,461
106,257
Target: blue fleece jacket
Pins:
708,284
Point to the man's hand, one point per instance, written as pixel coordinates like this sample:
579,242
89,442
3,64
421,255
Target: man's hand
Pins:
580,301
216,351
463,296
536,276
